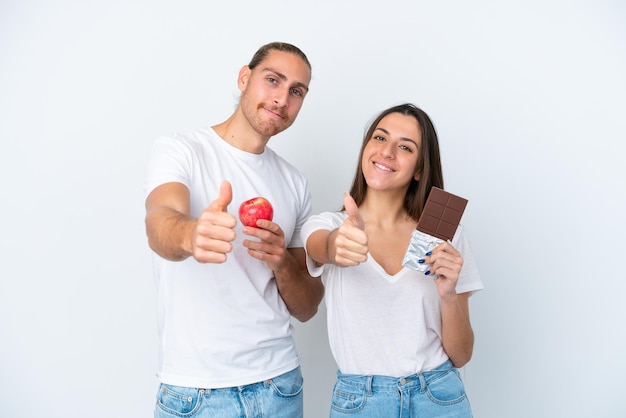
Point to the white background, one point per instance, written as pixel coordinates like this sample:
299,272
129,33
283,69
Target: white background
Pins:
529,101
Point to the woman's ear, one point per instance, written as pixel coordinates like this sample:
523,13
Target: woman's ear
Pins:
417,176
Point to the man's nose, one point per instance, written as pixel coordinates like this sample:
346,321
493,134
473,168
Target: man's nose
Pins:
281,96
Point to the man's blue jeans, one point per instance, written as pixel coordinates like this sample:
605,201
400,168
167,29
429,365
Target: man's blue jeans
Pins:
436,393
280,397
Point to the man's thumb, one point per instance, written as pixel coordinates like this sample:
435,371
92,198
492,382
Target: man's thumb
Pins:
353,211
226,195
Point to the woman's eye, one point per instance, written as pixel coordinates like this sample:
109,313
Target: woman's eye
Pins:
379,138
404,147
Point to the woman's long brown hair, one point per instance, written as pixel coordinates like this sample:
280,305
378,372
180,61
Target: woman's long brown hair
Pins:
428,163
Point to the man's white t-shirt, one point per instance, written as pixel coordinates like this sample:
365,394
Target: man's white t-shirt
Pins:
381,324
224,325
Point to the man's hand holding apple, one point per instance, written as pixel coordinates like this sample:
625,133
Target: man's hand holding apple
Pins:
256,214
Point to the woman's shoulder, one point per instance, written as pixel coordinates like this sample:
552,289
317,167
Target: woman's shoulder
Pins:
330,219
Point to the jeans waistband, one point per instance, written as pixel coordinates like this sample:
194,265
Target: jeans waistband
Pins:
414,381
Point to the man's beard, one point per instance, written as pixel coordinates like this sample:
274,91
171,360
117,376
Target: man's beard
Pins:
264,125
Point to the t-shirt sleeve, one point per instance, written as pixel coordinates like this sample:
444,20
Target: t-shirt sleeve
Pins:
469,278
303,215
169,161
327,221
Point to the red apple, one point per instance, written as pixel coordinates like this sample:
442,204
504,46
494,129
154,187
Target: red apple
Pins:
254,209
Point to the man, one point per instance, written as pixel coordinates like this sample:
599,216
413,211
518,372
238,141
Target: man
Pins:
226,292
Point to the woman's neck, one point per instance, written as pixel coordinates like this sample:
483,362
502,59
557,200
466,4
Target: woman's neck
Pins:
384,208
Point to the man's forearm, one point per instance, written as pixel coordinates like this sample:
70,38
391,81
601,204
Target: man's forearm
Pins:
301,292
169,233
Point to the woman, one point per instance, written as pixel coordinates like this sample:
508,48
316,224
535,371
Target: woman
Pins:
398,335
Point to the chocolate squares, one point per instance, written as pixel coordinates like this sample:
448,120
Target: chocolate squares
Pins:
441,214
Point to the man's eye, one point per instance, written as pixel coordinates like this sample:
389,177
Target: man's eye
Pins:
296,92
271,79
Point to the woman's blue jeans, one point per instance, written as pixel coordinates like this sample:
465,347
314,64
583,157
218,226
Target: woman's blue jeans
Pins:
280,397
436,393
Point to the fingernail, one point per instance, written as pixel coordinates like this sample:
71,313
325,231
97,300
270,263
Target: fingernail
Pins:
421,261
429,253
427,272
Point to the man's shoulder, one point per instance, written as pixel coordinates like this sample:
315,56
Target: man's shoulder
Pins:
193,139
194,135
281,161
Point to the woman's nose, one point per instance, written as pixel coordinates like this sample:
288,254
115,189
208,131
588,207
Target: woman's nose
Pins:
388,150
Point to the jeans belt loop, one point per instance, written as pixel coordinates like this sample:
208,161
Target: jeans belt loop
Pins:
422,382
368,385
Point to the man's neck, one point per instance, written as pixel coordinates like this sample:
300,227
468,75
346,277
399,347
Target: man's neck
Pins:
238,133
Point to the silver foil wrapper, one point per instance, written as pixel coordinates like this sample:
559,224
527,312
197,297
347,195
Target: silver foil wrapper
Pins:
420,244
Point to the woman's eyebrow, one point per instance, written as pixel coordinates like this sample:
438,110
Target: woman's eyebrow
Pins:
401,138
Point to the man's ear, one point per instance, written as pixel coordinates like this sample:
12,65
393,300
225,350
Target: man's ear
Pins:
244,76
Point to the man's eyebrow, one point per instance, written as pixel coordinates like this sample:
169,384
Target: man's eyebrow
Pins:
284,78
402,138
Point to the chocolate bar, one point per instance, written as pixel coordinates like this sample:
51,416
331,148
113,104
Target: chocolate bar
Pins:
442,214
438,223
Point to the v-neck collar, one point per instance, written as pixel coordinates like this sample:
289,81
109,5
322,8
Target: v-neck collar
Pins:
391,278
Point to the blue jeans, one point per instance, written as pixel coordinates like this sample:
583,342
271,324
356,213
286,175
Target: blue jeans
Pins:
436,393
280,397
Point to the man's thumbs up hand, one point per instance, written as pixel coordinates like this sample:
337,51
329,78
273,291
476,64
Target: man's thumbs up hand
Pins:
214,229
